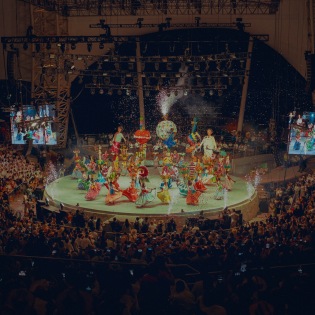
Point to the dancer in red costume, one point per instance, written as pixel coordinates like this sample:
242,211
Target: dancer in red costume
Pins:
131,192
193,195
199,186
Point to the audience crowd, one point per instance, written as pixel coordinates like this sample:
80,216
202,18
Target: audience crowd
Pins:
76,264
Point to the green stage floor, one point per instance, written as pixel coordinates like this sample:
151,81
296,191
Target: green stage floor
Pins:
65,190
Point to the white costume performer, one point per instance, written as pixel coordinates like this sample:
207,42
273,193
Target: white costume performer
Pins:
208,144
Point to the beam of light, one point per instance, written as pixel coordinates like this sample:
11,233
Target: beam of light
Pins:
175,195
226,198
166,100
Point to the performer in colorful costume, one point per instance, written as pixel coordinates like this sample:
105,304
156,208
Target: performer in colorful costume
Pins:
118,137
219,193
193,195
209,144
170,142
228,182
93,191
164,195
113,195
193,138
131,192
146,196
183,188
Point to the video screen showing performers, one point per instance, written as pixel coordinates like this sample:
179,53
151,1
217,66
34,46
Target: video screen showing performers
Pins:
33,123
302,133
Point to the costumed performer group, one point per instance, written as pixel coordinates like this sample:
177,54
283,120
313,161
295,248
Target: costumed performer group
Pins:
191,177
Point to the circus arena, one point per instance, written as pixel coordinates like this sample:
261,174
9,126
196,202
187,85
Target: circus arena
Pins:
157,157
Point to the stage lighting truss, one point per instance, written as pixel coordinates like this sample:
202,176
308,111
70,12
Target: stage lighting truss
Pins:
116,60
157,8
147,89
202,66
71,40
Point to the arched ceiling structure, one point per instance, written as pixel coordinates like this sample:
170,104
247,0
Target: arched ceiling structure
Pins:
287,24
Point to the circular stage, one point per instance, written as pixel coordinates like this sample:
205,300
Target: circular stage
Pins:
242,197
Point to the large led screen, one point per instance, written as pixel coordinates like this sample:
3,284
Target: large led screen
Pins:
301,133
33,123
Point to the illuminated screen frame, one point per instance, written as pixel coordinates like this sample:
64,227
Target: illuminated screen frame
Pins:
31,123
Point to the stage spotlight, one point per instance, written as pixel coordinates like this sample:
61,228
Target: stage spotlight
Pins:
73,46
157,66
211,92
101,91
89,47
25,46
147,93
101,45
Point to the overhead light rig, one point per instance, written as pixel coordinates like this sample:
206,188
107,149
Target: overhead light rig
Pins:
157,8
103,39
168,75
168,25
152,88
